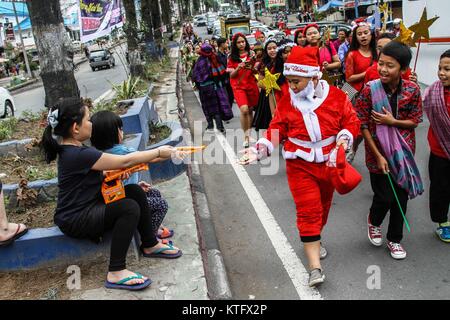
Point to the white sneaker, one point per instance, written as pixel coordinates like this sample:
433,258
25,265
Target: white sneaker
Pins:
323,252
374,233
316,277
397,251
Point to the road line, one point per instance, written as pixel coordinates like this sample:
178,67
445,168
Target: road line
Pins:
291,262
103,96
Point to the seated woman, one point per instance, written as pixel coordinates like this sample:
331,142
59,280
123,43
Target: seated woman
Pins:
81,211
107,136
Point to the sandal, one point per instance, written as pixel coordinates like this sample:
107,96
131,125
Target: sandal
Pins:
133,287
164,233
159,253
16,236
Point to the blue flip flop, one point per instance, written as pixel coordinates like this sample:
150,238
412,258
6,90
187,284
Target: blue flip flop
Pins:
159,253
132,287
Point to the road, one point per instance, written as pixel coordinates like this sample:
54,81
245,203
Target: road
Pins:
91,84
256,236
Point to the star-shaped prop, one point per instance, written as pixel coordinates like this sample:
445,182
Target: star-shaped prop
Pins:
405,36
421,29
270,81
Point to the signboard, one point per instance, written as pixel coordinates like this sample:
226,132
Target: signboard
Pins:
99,17
9,31
275,3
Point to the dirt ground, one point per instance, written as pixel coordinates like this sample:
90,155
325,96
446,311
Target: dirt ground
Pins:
51,283
30,128
38,216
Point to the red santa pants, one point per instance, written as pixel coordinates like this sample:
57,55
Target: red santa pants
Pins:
312,191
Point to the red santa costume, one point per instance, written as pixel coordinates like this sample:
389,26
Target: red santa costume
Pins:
310,123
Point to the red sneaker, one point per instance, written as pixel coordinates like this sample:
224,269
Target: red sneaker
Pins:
397,251
374,233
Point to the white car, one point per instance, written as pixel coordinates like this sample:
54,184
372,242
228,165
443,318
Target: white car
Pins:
7,105
254,23
267,32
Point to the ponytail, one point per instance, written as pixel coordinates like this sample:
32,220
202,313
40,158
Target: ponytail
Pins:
49,145
60,120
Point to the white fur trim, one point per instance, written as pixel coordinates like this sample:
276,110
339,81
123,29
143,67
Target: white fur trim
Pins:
293,69
267,143
345,132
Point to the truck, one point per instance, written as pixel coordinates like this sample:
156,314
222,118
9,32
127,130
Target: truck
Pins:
231,26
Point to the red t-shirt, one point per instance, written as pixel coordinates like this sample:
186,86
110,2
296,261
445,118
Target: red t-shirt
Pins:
245,78
372,73
435,147
356,63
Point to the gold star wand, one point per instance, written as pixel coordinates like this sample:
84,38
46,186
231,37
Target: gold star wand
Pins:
270,81
421,30
405,36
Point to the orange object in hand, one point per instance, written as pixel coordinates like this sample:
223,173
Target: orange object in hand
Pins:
113,188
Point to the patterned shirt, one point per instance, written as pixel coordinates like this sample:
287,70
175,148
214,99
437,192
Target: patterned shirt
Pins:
409,107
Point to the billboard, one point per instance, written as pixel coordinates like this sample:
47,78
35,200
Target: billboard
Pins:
275,3
99,17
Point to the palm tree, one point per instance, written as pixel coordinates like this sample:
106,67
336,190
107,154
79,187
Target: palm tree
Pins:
134,57
52,46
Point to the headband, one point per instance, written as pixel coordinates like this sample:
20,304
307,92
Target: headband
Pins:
284,46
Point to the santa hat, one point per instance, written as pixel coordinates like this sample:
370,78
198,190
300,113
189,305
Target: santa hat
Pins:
258,34
344,177
360,22
303,62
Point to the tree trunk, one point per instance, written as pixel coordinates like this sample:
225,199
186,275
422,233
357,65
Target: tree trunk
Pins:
166,12
50,37
147,24
196,5
186,10
156,19
134,57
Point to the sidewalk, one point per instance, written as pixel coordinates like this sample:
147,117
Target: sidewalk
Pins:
182,278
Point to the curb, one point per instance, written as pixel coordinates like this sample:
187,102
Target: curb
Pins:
215,271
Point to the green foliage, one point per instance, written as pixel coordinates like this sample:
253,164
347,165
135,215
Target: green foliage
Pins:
32,116
104,106
7,128
153,69
15,81
33,173
130,88
158,132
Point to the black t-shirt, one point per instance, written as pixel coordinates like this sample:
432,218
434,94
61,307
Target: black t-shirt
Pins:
80,209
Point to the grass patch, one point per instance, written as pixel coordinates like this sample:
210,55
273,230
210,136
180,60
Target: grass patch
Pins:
158,132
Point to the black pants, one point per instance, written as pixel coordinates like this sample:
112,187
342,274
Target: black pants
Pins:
230,94
123,217
439,170
384,201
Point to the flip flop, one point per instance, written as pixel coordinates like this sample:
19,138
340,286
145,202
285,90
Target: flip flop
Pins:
16,236
132,287
166,233
159,253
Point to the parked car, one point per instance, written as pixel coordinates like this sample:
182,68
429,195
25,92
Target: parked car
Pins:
101,58
267,32
254,23
200,22
335,27
7,105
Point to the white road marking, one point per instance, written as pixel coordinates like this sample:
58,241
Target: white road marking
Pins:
103,96
291,262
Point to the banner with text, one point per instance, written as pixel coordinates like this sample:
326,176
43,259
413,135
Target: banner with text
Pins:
275,3
99,17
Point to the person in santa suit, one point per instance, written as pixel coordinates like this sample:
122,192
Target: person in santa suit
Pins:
314,120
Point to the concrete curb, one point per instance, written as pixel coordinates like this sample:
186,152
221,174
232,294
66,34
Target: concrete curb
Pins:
215,271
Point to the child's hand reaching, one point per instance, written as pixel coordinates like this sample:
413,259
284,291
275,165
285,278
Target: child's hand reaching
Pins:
145,186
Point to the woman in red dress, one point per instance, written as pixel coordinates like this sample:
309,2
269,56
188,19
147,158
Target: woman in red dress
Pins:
243,82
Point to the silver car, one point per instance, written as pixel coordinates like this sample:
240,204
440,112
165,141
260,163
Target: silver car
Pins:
101,58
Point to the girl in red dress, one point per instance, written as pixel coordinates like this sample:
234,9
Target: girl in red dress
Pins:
361,55
243,82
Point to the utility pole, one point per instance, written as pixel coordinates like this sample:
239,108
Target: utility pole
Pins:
25,56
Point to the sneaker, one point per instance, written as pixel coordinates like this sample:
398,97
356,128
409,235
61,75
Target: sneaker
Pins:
246,144
316,277
374,233
323,252
443,232
397,251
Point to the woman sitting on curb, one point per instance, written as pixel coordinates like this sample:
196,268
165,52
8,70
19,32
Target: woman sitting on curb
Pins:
81,211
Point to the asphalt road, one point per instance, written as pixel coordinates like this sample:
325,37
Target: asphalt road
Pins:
91,84
253,264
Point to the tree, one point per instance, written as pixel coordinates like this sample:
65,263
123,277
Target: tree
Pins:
147,27
196,5
134,56
52,46
166,12
156,20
